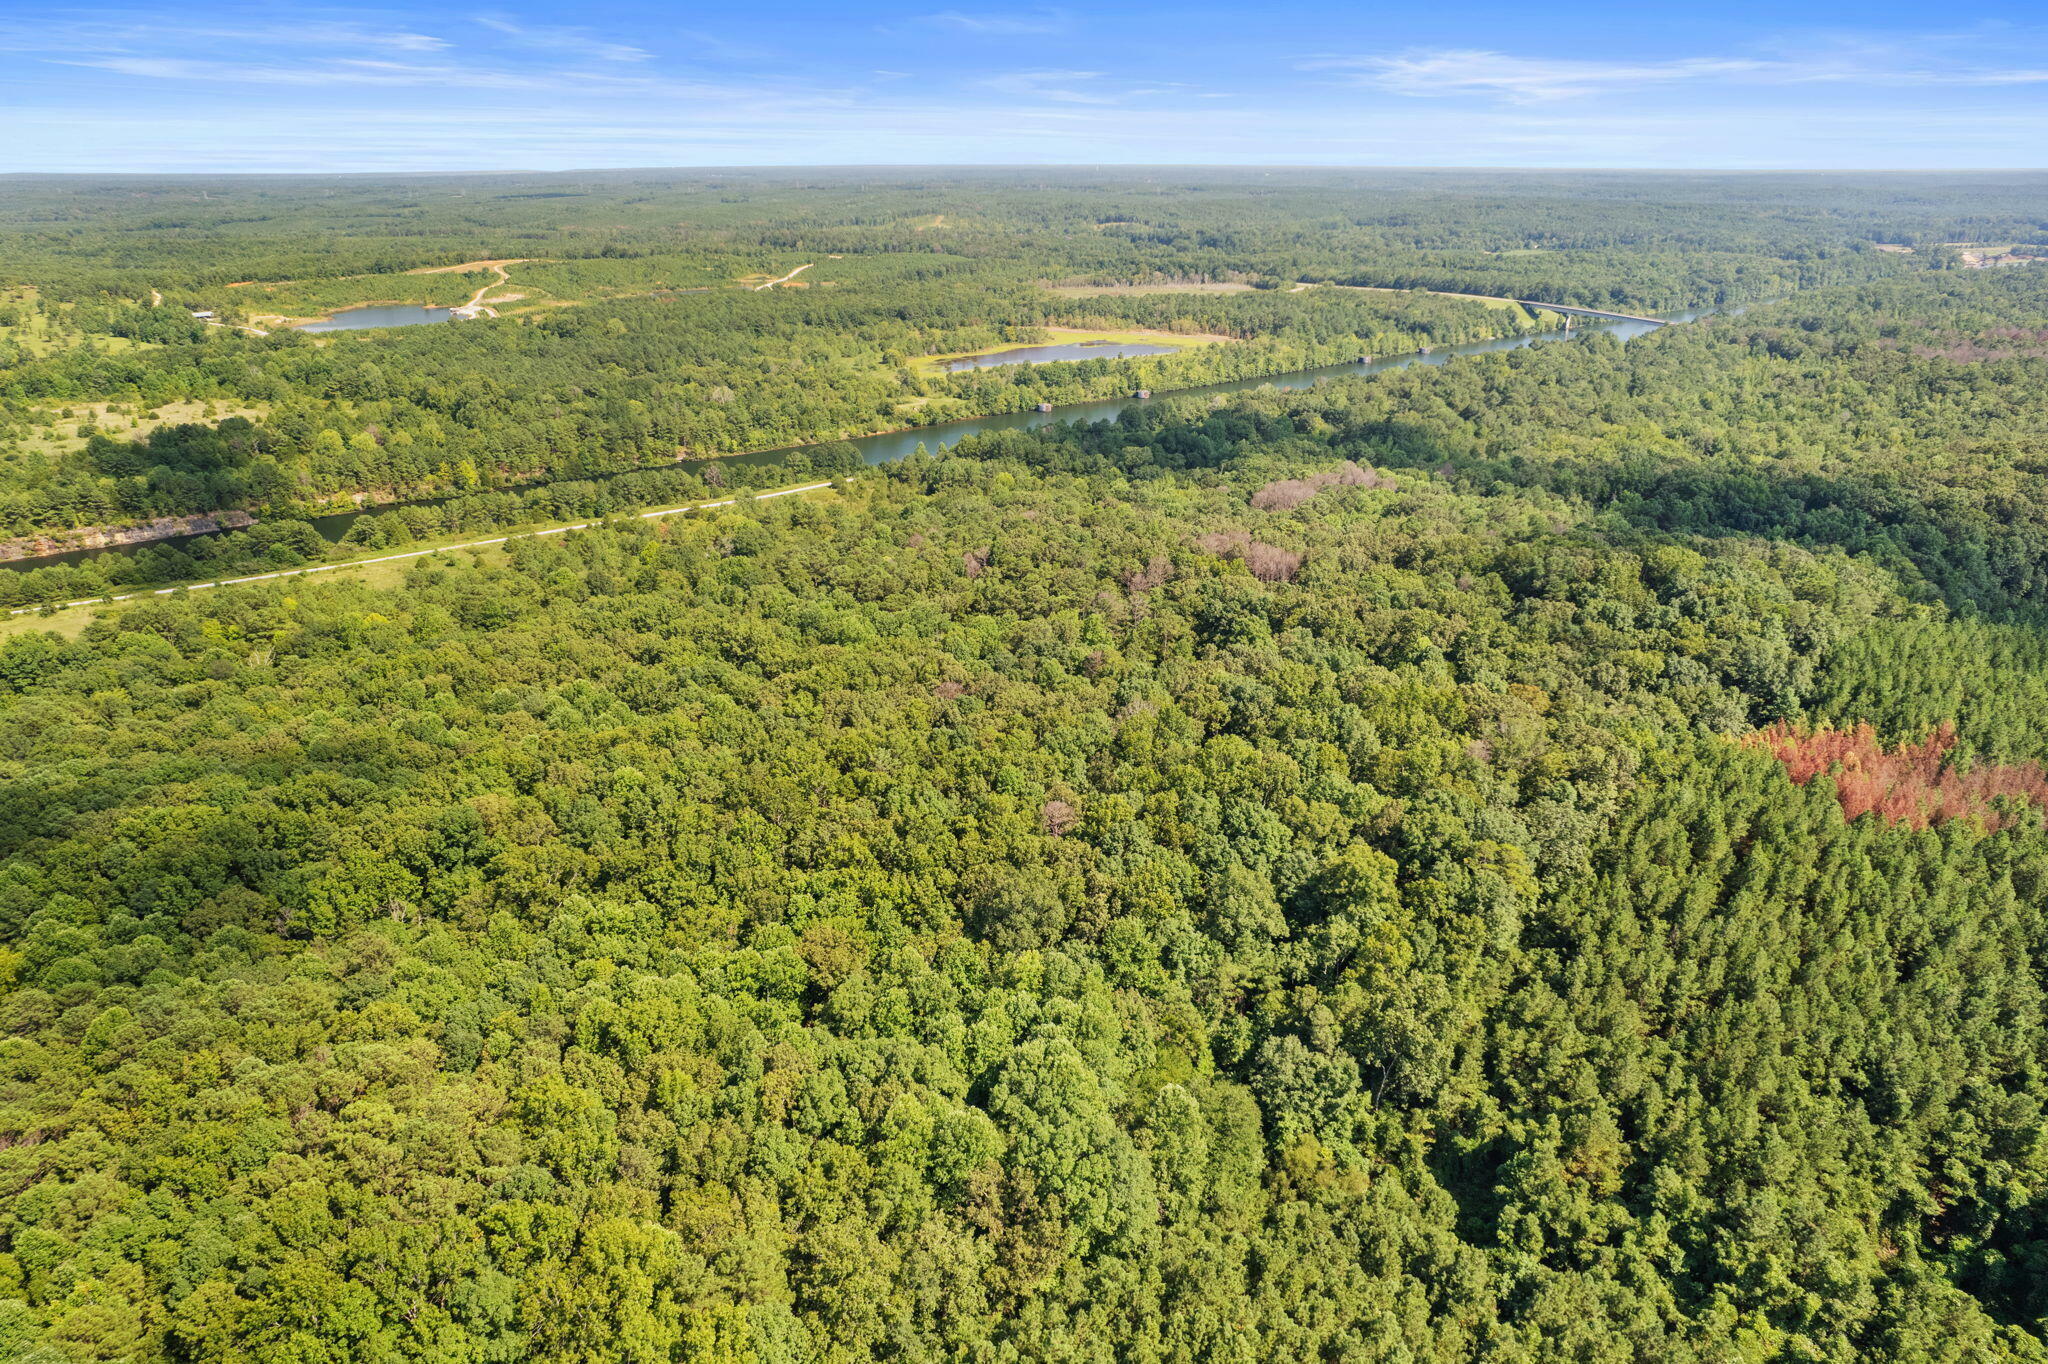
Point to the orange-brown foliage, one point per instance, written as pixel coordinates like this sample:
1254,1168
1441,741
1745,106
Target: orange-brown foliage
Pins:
1915,784
1287,494
1267,562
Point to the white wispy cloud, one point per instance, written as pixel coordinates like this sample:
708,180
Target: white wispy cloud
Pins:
73,34
1052,85
1443,72
1435,73
781,128
574,42
1014,25
343,72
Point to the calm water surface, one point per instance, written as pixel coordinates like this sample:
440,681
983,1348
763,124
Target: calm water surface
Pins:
361,319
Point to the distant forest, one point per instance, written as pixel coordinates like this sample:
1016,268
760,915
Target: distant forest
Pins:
635,333
1539,858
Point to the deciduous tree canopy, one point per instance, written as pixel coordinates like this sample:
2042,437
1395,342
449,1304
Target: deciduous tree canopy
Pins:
1289,879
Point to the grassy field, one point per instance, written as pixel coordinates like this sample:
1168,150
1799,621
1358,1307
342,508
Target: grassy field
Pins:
42,330
1100,290
935,364
68,623
56,434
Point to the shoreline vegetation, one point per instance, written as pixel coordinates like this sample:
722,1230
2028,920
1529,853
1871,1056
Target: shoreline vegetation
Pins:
126,537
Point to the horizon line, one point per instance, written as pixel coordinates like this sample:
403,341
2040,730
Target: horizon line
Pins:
1036,166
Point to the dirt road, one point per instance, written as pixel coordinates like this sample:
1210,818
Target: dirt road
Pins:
784,280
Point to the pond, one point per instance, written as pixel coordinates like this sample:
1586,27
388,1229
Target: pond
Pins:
1068,350
393,315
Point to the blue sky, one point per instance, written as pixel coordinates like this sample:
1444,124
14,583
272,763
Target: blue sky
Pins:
204,86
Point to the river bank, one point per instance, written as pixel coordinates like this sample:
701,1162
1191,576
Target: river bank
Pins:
54,546
886,446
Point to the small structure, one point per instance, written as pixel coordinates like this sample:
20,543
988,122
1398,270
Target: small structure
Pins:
204,314
1144,393
1365,359
1426,350
1045,407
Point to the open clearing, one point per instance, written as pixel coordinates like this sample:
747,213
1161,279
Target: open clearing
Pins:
57,434
41,333
758,288
470,265
1219,287
935,364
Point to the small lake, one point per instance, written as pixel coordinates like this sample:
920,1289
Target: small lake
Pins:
1068,350
361,319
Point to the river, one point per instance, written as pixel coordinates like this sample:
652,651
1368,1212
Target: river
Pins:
895,445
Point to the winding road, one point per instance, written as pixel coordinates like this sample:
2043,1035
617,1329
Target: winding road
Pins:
784,280
476,300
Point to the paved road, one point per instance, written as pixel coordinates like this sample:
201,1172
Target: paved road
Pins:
415,553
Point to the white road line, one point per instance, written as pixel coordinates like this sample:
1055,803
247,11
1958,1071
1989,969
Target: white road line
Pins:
415,553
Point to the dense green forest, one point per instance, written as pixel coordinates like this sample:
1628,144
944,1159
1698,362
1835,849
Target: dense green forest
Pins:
1539,858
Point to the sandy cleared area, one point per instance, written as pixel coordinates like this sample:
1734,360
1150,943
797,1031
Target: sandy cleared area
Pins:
469,265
